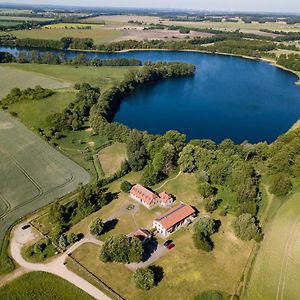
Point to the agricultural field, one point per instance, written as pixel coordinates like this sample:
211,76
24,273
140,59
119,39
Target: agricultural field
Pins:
24,19
275,273
33,174
35,114
41,285
111,158
230,26
66,74
11,78
97,33
121,19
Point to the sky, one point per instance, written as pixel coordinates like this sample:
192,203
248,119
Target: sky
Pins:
292,6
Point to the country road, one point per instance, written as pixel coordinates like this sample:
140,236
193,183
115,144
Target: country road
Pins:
20,237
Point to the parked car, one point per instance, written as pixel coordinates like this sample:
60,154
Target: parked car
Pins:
166,243
170,246
25,226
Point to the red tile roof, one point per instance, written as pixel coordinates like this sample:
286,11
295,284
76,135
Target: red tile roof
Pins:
165,197
141,192
175,215
141,234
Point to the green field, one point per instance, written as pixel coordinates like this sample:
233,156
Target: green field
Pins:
96,76
34,114
111,158
11,78
97,33
41,286
275,273
32,173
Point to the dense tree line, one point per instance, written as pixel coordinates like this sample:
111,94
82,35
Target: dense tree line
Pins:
103,111
64,43
291,61
78,111
50,58
90,198
16,95
242,47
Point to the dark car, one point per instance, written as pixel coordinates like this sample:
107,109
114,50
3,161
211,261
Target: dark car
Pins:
25,226
166,243
170,246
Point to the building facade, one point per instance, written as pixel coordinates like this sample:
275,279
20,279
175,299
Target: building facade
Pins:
173,219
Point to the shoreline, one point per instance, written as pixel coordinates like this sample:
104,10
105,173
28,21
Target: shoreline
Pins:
266,60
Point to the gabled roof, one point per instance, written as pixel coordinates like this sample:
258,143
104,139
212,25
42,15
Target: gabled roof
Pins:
165,197
175,215
143,193
141,234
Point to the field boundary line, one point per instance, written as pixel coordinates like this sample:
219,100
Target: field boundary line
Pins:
97,279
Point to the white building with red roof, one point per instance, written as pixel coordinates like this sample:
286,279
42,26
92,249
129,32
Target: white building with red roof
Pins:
150,199
173,219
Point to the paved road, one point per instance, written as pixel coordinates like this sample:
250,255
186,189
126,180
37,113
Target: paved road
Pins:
21,237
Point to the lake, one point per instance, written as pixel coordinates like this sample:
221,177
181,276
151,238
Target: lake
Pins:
229,97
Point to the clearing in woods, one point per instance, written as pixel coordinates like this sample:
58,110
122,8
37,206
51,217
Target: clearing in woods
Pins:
111,158
32,173
276,271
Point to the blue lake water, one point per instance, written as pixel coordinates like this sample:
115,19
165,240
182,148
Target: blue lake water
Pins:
228,97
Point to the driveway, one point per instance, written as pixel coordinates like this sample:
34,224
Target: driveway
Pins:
157,254
21,237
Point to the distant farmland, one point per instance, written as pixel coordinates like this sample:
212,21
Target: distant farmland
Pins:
32,173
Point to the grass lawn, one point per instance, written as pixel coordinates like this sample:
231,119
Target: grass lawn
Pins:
96,76
97,33
11,78
187,271
275,273
35,113
111,158
41,285
39,251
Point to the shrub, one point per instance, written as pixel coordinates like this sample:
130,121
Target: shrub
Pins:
203,242
97,227
281,185
126,186
144,278
246,228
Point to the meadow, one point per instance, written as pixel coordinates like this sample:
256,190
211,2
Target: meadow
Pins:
40,285
11,78
64,75
111,158
275,273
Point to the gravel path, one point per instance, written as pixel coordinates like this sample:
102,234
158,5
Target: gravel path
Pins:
21,237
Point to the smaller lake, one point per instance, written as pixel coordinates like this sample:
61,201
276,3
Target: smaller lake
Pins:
229,97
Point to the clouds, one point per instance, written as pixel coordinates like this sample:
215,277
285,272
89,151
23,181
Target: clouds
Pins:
228,5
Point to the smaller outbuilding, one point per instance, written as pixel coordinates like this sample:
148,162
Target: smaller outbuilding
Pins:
143,235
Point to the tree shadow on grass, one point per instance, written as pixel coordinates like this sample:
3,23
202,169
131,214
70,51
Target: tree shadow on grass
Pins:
110,225
158,273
